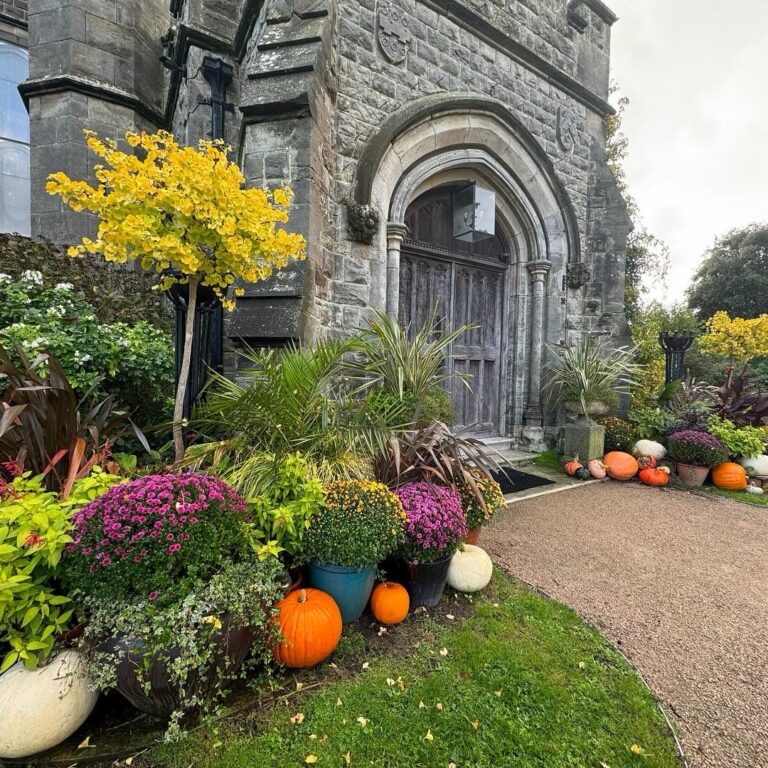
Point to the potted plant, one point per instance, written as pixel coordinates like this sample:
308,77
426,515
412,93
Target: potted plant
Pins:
435,525
481,503
173,594
695,453
358,525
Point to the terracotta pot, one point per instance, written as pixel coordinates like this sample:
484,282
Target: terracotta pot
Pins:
692,475
473,536
162,698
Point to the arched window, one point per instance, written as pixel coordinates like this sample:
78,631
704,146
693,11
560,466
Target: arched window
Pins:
14,142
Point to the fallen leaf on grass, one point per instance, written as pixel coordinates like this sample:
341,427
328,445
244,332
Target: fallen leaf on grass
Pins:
443,651
363,721
422,705
310,759
499,692
390,682
582,665
401,683
366,665
128,761
636,749
450,616
299,686
339,702
347,758
429,736
382,631
439,705
86,744
475,724
298,718
313,736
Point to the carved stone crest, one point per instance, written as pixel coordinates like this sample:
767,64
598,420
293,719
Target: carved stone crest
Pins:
577,275
362,222
566,129
392,32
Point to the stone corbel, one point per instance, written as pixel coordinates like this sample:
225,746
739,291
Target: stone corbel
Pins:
362,222
577,276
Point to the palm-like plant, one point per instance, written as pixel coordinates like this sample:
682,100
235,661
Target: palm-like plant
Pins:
286,401
386,358
588,371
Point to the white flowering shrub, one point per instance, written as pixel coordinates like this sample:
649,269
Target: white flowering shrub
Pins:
132,361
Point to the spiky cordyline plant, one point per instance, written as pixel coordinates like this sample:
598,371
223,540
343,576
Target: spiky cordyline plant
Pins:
287,401
587,371
384,357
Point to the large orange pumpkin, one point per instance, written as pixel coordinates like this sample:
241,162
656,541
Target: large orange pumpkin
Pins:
390,602
730,477
620,465
310,624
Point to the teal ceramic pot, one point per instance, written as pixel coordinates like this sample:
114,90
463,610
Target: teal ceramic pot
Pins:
426,582
350,587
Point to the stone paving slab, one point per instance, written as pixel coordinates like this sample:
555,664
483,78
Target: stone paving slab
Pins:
678,582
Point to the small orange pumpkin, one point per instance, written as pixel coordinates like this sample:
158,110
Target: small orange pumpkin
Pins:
310,625
390,602
656,477
730,477
573,466
620,465
647,462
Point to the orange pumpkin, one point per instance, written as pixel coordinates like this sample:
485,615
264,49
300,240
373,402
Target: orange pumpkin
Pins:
310,625
572,467
390,602
620,465
657,477
646,462
730,477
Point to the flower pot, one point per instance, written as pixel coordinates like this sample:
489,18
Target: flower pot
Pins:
349,587
40,708
426,582
595,408
473,536
692,475
163,697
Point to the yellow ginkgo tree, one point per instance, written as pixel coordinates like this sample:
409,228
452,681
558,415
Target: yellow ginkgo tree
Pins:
185,213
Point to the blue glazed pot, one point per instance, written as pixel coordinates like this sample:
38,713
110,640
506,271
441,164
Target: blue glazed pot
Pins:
350,587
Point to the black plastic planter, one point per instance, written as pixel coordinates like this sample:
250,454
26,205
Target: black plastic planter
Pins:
426,582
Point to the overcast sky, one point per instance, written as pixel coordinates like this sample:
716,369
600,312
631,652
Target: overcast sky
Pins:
696,72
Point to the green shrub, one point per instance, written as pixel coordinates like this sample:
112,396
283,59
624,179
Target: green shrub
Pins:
435,406
619,434
359,524
740,441
650,422
132,362
35,526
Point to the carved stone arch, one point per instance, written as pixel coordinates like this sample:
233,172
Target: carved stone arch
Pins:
442,121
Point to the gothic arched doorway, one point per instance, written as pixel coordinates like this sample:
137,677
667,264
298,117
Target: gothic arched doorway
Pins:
462,284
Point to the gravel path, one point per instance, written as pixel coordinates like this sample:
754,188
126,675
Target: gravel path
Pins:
679,582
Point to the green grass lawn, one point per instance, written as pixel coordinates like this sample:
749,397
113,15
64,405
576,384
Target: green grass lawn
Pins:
548,459
746,498
513,681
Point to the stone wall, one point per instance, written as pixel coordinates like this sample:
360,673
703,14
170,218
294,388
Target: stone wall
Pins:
13,21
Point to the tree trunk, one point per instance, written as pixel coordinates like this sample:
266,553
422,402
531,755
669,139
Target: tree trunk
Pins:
186,359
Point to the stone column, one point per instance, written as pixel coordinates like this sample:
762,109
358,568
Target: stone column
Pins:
539,271
396,233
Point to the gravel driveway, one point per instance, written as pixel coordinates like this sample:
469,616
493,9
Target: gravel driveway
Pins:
678,582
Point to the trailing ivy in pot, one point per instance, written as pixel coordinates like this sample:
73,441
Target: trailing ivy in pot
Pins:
173,594
358,525
479,514
435,525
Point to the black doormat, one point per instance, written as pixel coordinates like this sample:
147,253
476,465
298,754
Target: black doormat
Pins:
514,481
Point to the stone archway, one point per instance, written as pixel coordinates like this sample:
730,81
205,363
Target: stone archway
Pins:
465,137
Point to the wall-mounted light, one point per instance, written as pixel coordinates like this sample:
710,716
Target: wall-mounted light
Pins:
474,213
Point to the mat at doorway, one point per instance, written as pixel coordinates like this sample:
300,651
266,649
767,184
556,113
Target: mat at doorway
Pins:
514,481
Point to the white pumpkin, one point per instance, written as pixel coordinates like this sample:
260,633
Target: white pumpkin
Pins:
470,570
754,490
41,708
649,448
756,466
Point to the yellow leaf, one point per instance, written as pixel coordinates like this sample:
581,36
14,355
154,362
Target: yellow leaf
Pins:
298,718
86,744
310,759
390,682
582,665
363,721
339,702
313,736
439,706
299,686
443,651
128,761
429,736
347,758
422,705
499,692
475,724
636,749
366,665
450,616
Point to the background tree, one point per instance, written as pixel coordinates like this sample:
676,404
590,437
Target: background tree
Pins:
732,277
184,213
647,258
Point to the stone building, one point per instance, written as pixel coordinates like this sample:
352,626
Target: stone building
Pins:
447,156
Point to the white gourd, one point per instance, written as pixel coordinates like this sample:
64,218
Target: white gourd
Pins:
649,448
40,708
756,466
471,569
